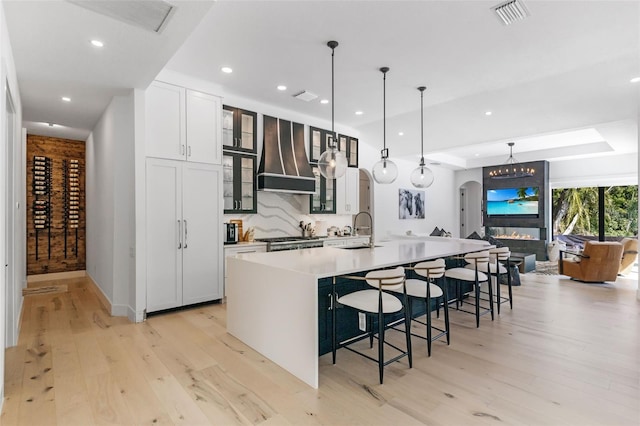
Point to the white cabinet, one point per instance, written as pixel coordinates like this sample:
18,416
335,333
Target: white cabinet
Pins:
348,191
234,250
184,233
204,128
182,124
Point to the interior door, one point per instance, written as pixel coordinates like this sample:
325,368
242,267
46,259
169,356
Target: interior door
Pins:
202,236
164,234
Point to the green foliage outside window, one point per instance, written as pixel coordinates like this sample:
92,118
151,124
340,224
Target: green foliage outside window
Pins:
575,211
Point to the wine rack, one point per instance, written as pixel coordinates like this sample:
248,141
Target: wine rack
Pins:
41,190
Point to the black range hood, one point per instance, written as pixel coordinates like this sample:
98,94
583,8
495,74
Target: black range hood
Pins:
284,166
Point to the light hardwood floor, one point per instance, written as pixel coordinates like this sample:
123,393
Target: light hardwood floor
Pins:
568,354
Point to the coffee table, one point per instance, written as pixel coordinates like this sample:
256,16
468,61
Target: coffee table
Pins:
526,261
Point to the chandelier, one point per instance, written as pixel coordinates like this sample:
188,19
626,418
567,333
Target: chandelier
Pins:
511,169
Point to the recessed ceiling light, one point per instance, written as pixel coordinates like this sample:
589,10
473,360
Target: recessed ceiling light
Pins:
477,155
226,70
635,79
359,112
97,43
400,133
487,113
66,99
324,101
282,88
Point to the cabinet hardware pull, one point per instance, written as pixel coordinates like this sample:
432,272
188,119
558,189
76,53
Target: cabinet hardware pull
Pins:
185,233
179,235
330,301
189,151
181,149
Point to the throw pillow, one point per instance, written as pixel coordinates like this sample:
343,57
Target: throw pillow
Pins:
493,241
474,236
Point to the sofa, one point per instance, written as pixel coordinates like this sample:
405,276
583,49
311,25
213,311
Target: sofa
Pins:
598,262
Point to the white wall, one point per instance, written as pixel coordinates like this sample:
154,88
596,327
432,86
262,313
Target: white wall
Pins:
8,72
440,198
110,203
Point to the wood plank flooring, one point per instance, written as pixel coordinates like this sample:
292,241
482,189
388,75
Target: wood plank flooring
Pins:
567,354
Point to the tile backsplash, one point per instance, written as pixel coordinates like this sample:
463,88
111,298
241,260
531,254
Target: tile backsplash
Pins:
279,214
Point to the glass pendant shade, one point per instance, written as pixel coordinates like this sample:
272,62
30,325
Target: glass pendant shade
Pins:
385,171
422,177
332,163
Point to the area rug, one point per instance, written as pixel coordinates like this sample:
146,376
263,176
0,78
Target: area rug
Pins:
546,268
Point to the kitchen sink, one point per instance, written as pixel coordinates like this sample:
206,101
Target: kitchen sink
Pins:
355,247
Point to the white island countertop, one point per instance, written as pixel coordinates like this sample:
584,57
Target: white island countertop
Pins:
272,298
325,262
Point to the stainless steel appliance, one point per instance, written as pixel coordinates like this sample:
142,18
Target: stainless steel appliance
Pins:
291,243
231,233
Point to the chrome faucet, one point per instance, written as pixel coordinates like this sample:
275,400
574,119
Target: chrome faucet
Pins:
356,228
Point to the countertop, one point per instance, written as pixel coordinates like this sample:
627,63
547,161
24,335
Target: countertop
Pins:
325,262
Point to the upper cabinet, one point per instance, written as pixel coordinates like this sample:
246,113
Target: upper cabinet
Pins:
318,143
182,124
323,200
349,146
239,129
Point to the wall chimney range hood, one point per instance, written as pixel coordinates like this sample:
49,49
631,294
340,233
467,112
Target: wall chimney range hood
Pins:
284,166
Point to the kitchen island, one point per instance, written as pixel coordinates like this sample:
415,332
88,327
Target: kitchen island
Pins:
272,298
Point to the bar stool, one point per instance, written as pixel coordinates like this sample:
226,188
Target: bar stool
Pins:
476,277
376,304
498,255
426,290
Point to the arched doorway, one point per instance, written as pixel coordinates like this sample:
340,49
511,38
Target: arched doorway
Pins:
470,208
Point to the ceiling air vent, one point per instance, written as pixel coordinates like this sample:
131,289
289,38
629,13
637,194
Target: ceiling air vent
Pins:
511,11
150,15
305,96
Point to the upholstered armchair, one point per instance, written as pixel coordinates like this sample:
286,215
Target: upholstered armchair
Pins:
598,262
629,254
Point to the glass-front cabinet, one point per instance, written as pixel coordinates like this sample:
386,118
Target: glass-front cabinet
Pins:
318,142
239,129
239,183
323,199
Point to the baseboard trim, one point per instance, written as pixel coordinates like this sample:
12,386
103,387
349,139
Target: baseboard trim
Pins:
56,276
104,300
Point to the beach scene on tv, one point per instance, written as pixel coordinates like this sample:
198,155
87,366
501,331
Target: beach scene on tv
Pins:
512,201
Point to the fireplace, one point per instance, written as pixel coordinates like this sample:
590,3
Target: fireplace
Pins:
521,239
513,233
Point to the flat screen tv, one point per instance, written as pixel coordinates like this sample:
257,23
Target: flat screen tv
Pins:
513,202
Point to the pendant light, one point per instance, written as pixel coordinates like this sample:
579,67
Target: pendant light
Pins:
384,171
422,176
332,163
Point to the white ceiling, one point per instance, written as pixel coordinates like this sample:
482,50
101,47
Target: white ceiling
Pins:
565,70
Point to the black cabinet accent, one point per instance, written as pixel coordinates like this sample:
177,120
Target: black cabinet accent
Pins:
239,129
323,200
318,142
239,183
349,146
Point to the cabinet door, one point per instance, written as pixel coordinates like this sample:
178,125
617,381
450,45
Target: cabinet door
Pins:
248,126
164,121
239,187
323,200
228,187
164,234
202,233
352,156
348,192
239,129
203,128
